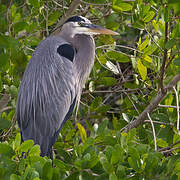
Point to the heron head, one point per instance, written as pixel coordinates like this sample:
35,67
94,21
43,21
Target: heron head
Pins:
81,25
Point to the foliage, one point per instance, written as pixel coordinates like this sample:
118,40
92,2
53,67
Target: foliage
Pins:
129,71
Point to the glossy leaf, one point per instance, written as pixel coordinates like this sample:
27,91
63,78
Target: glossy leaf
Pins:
122,7
82,132
119,57
149,16
177,61
142,69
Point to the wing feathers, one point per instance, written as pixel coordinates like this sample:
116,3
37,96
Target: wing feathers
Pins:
47,93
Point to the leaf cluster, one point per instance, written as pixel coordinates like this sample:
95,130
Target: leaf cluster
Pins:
129,71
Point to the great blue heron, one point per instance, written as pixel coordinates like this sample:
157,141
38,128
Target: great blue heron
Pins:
53,80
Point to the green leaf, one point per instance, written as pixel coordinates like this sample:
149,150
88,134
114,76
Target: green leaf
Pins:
107,81
82,132
143,45
145,9
26,145
101,127
139,24
142,69
4,41
155,25
1,88
13,10
5,149
34,151
133,164
177,61
170,44
14,177
150,49
149,16
96,102
17,141
106,165
4,124
161,143
73,176
4,61
125,117
122,7
102,59
19,26
63,166
52,18
65,156
47,170
113,176
34,3
117,154
112,67
121,172
109,140
117,56
148,58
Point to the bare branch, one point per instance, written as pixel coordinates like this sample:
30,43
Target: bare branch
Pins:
177,105
154,133
161,123
6,108
170,150
167,106
153,105
169,147
161,84
4,101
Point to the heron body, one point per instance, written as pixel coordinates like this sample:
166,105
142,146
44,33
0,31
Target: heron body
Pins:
52,82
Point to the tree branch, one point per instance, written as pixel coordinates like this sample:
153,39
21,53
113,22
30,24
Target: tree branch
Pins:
161,84
4,101
153,105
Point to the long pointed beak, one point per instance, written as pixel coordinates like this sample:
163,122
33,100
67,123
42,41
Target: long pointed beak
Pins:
100,30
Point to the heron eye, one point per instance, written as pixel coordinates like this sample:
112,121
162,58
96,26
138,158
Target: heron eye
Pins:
80,23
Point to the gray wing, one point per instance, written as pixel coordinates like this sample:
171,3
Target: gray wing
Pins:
47,94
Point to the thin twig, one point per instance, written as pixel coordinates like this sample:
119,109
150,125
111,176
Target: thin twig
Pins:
153,104
167,106
114,91
170,150
154,133
161,83
170,60
177,105
107,46
120,72
154,41
13,123
161,123
6,108
169,147
4,101
46,8
73,6
132,102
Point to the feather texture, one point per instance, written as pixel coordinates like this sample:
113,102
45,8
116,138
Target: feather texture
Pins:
50,88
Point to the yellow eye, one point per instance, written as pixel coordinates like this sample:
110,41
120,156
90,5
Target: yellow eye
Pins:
80,23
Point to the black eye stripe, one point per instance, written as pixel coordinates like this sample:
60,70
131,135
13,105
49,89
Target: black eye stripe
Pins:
75,19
